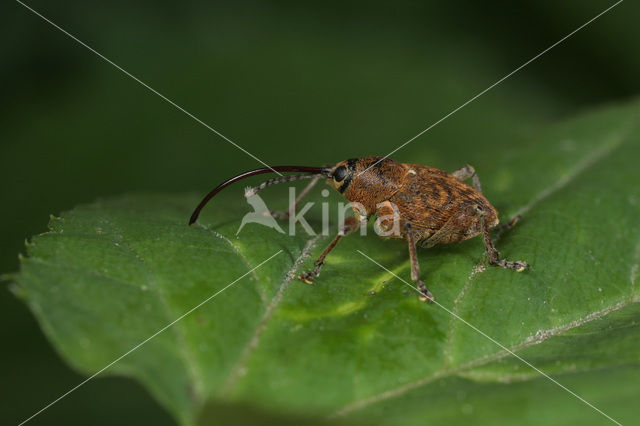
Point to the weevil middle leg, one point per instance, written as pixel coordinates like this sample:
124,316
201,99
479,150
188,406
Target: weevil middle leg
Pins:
351,224
425,294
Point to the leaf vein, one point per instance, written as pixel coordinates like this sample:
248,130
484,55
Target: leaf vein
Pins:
613,142
184,349
240,368
242,257
479,268
540,337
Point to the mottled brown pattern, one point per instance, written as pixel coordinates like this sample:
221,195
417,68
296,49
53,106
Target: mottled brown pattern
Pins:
376,185
427,198
431,206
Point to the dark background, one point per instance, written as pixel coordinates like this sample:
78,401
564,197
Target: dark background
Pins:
291,83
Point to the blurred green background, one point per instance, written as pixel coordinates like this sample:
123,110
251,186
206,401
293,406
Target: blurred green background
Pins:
291,83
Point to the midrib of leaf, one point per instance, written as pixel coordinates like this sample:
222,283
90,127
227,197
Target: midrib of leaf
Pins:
240,368
478,268
178,329
614,142
633,272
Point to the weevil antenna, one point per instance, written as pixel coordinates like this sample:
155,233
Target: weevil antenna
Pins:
251,191
309,172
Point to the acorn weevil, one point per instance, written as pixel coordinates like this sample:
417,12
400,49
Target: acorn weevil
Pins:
428,206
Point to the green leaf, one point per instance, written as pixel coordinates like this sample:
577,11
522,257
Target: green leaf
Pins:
111,274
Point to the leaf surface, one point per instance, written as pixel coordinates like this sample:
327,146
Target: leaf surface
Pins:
358,346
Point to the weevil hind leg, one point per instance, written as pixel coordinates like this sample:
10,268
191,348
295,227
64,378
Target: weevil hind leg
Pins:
492,253
441,235
425,294
351,224
502,227
467,171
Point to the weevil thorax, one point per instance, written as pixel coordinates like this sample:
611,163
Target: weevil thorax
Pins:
367,180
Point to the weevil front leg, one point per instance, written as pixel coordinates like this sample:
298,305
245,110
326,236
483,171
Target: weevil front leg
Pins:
292,208
425,294
492,253
351,224
465,172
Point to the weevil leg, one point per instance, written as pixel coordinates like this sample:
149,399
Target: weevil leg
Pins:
350,225
388,222
492,253
502,227
465,172
285,215
441,234
425,294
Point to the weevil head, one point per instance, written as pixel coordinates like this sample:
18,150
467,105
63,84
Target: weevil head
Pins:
342,174
367,180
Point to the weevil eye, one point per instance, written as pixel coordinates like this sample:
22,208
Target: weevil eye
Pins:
340,173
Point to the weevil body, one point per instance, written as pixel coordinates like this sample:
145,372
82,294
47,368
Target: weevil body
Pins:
419,204
436,206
